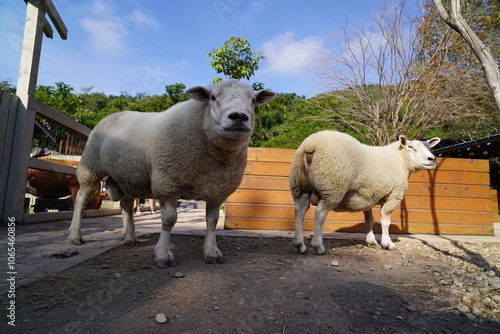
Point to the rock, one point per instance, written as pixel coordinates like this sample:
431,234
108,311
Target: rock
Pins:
411,308
486,301
477,310
178,274
118,275
106,266
464,309
334,263
470,316
161,319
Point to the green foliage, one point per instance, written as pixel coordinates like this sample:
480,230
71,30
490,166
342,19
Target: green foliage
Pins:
60,97
7,85
176,92
235,59
287,121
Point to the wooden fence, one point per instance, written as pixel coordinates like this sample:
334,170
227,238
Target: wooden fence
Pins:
453,199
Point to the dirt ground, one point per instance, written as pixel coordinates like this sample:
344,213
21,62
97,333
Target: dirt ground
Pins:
264,286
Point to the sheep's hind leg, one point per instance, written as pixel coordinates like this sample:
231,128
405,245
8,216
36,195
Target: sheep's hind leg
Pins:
163,256
127,204
82,198
385,221
301,207
211,252
319,222
370,236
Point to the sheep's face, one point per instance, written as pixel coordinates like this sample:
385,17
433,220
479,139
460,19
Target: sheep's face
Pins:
419,152
232,106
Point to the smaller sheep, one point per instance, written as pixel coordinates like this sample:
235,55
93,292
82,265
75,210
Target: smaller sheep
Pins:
336,172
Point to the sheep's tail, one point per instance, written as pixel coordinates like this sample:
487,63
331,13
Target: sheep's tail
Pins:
308,159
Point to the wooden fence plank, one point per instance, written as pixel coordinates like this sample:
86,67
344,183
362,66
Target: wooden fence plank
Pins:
434,177
399,215
359,226
252,196
260,182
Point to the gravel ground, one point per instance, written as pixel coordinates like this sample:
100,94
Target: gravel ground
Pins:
265,286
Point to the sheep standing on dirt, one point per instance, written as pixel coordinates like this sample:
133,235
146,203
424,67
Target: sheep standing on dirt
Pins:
336,172
195,150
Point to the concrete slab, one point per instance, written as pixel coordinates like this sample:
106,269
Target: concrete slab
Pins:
42,249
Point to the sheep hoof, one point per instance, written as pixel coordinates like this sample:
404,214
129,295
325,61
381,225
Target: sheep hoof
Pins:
76,241
165,263
319,250
215,259
390,246
301,248
131,243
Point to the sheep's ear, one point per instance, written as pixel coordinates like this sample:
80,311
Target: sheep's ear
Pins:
403,141
199,93
434,141
264,96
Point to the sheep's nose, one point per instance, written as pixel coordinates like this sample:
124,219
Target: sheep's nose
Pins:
238,116
431,159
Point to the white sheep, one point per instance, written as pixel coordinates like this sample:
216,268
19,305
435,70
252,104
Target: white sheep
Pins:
336,172
195,150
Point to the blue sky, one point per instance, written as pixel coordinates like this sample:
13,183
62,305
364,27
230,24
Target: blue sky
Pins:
143,45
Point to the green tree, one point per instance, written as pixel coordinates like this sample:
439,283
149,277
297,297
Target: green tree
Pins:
176,92
60,97
7,85
235,59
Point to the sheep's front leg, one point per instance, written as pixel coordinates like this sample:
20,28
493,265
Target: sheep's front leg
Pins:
370,236
127,205
82,198
319,221
385,220
301,207
163,256
212,253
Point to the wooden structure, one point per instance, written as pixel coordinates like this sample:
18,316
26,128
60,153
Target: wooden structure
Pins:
18,118
453,199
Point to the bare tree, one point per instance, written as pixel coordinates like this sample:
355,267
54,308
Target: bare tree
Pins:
385,87
454,19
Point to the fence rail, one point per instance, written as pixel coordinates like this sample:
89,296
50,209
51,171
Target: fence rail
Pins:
44,169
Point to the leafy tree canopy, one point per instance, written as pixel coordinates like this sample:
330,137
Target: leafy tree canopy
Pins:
235,59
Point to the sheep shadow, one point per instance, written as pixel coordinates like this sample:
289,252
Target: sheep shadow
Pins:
472,257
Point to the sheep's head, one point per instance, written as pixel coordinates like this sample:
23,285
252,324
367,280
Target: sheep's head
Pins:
419,152
232,106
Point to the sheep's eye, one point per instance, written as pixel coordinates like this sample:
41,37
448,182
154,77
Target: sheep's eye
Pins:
212,97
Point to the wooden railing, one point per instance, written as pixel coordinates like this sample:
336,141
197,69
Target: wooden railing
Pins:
453,199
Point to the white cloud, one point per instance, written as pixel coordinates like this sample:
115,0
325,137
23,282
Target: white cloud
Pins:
106,36
286,55
108,31
254,8
142,19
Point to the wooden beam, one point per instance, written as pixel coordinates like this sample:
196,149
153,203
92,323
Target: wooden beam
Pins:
53,115
47,29
32,46
56,19
51,166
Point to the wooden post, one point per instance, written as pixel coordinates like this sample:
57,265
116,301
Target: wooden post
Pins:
25,118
